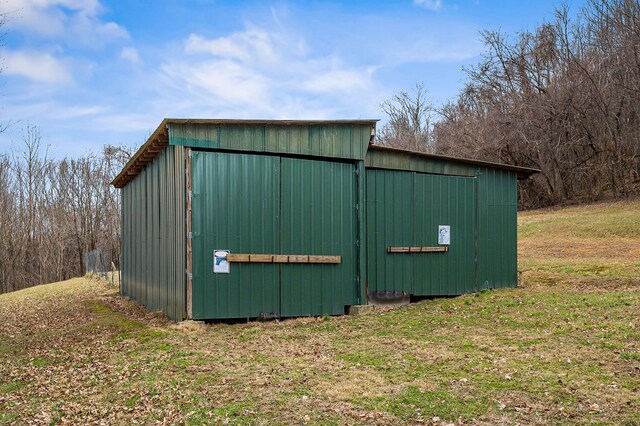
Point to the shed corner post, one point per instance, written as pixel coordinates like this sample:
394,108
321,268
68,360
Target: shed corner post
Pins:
121,259
476,229
188,234
362,249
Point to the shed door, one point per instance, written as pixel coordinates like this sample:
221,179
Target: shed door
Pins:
254,204
405,209
445,200
235,206
318,218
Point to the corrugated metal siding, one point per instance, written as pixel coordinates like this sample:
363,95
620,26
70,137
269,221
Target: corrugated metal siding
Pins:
235,207
406,161
318,218
348,141
390,222
404,209
444,200
361,223
153,235
276,204
497,234
271,205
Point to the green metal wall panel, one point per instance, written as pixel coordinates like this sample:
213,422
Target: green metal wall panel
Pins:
153,235
361,242
240,137
444,200
390,222
235,206
497,235
410,162
254,204
318,218
404,209
347,141
288,140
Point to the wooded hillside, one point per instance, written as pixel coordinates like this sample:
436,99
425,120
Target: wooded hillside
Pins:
564,99
56,215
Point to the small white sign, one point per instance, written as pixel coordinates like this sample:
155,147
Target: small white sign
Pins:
220,263
444,235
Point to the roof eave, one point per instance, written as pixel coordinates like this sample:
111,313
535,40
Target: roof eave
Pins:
522,172
158,140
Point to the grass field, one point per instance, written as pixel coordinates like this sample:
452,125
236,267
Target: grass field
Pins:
565,348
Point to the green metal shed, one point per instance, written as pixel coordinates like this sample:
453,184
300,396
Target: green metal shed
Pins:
264,218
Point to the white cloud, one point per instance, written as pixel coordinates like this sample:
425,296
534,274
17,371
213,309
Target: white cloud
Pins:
130,54
40,67
429,4
221,81
112,30
76,21
251,45
340,80
256,72
76,111
54,110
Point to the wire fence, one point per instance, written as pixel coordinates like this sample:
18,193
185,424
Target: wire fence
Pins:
98,263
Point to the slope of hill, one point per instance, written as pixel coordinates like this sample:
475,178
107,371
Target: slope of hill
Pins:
565,348
598,240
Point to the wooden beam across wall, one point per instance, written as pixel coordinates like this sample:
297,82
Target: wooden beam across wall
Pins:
419,249
281,258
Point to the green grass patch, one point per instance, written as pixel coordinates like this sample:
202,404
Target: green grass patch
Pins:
366,358
413,404
114,320
593,221
131,401
41,362
630,356
584,267
11,387
7,418
240,413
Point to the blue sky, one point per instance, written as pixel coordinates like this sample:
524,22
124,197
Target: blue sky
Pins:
91,72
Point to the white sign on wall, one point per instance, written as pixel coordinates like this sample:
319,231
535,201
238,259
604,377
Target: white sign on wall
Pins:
444,235
220,263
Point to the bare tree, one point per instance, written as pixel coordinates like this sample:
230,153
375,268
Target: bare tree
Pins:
410,119
564,99
7,221
52,213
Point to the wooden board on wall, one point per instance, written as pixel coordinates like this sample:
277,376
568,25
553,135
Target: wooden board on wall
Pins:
282,258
